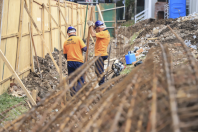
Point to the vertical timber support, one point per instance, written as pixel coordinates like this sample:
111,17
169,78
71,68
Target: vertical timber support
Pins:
88,37
50,24
72,13
1,17
43,40
30,31
43,30
59,18
77,20
66,19
19,36
81,22
60,50
100,14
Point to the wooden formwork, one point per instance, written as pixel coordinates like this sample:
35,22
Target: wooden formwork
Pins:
52,19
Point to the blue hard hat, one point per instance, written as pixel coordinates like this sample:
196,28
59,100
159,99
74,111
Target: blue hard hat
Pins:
98,23
70,28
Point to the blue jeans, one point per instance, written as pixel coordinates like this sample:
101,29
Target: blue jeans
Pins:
72,66
100,68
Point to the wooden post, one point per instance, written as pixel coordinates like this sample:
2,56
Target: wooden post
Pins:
31,52
53,19
66,19
17,77
43,30
77,20
32,42
50,24
34,94
88,37
30,30
19,36
1,18
72,13
81,10
100,14
48,50
59,17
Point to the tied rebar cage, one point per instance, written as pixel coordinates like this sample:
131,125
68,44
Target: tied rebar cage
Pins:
155,96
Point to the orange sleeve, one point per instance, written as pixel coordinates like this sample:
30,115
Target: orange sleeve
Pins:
64,48
82,44
101,35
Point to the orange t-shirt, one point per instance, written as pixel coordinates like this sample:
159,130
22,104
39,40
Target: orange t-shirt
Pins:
102,42
73,48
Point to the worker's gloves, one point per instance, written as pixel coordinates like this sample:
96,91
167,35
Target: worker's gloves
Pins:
90,23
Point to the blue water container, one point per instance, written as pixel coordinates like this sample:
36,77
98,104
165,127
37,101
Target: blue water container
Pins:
177,8
130,58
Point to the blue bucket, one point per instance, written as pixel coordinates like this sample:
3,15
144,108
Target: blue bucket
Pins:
130,58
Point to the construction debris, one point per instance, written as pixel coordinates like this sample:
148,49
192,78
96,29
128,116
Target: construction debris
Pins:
160,94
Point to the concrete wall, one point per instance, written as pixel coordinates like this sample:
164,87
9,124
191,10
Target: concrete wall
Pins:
193,6
151,7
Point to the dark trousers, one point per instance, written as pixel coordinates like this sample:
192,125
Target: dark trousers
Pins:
100,68
72,66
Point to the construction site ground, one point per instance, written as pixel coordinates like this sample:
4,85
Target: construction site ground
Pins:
160,94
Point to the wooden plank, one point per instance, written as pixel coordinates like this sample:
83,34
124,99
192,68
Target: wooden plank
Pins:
39,3
31,52
53,19
12,77
32,42
65,19
81,11
59,17
34,94
77,19
43,30
20,36
36,27
100,14
62,16
50,24
17,77
72,13
1,18
88,37
30,30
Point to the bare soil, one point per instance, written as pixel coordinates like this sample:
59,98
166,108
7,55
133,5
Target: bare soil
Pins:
50,77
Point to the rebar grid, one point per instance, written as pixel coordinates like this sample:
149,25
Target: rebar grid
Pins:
156,96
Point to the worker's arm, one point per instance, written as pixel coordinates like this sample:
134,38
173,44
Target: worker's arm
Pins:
65,55
82,45
84,49
92,32
65,51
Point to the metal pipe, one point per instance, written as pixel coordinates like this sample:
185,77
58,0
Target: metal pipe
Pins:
87,2
113,8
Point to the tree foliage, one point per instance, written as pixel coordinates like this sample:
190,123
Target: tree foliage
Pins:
129,3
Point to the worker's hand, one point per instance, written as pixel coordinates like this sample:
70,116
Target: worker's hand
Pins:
90,23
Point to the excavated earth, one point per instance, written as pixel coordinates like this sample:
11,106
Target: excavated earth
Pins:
187,30
50,77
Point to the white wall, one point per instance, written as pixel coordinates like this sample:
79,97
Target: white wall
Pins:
193,6
151,7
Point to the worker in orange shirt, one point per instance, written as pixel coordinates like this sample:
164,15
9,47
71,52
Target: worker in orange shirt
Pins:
102,41
73,49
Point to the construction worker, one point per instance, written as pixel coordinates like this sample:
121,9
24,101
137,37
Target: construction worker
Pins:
72,50
102,41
